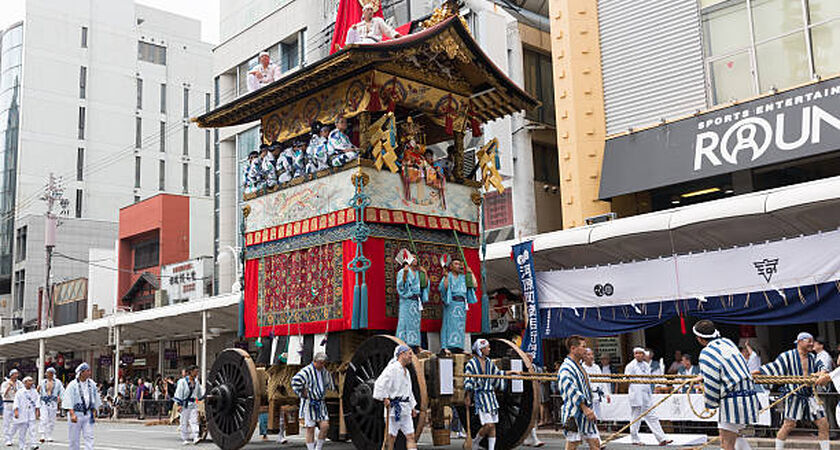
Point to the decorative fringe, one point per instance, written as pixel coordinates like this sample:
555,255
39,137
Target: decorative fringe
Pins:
801,297
450,125
374,104
767,299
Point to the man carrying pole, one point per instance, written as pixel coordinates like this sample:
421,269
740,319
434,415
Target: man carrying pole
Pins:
727,385
311,384
577,415
802,405
482,392
393,387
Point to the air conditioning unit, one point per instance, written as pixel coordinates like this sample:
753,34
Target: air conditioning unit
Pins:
601,218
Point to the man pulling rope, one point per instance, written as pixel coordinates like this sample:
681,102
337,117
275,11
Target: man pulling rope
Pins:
727,385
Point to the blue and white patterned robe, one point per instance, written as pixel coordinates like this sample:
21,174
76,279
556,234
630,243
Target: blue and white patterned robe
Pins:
574,390
802,405
483,390
253,180
317,154
727,383
268,170
186,397
340,148
452,330
313,406
411,298
72,398
47,398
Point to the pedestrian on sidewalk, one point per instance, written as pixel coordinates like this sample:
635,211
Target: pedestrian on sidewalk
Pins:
8,390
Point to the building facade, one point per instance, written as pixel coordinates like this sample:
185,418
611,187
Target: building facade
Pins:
297,33
130,77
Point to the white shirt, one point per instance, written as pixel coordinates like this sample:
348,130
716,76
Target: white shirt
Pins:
606,371
753,362
826,360
369,32
10,396
595,370
26,402
84,390
640,394
394,382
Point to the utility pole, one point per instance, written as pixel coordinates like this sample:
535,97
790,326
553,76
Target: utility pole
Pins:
54,196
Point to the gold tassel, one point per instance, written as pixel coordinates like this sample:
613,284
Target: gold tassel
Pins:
767,299
599,314
747,303
817,287
660,310
801,297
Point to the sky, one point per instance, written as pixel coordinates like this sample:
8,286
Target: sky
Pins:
207,11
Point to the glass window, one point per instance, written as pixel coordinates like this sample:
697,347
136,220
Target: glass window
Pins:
207,102
20,287
185,178
83,82
79,195
539,83
81,122
206,144
21,244
186,140
162,176
163,98
151,53
289,56
726,29
80,164
138,131
782,62
546,164
137,171
825,40
146,254
186,102
139,93
162,136
731,78
242,75
84,37
821,10
207,181
772,18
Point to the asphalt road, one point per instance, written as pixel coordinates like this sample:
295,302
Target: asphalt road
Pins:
131,436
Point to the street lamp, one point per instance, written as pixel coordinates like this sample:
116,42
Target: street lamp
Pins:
234,251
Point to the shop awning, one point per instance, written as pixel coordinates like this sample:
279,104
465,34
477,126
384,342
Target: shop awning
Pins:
791,211
179,321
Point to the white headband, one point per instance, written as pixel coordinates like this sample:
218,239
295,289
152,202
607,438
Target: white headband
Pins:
638,349
714,335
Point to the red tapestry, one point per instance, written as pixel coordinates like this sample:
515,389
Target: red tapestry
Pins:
300,287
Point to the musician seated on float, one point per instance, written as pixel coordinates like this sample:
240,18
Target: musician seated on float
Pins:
341,148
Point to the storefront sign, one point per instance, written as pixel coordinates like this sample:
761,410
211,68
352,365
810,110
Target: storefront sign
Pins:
127,359
139,362
522,257
170,354
188,280
105,361
793,124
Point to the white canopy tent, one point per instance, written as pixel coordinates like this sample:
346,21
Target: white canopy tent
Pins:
790,211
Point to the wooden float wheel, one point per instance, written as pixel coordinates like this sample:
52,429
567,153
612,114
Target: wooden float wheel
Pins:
363,415
232,401
518,412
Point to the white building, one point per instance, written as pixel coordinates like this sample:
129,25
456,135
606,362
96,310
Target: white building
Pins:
99,93
299,32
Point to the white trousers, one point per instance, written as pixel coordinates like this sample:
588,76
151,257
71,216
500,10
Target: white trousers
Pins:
650,419
80,434
189,423
8,426
26,435
47,423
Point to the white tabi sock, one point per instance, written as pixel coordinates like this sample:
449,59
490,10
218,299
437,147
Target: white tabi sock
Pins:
780,444
477,441
491,443
310,446
825,445
319,444
742,444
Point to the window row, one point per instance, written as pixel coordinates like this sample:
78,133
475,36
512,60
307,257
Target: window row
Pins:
185,176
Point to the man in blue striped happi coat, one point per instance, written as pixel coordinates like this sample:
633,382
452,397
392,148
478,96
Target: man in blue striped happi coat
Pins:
802,405
577,414
727,385
482,392
311,385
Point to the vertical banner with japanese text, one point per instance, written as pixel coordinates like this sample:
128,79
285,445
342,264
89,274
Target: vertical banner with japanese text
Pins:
522,255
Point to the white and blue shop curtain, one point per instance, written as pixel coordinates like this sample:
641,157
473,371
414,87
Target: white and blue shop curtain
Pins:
783,282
